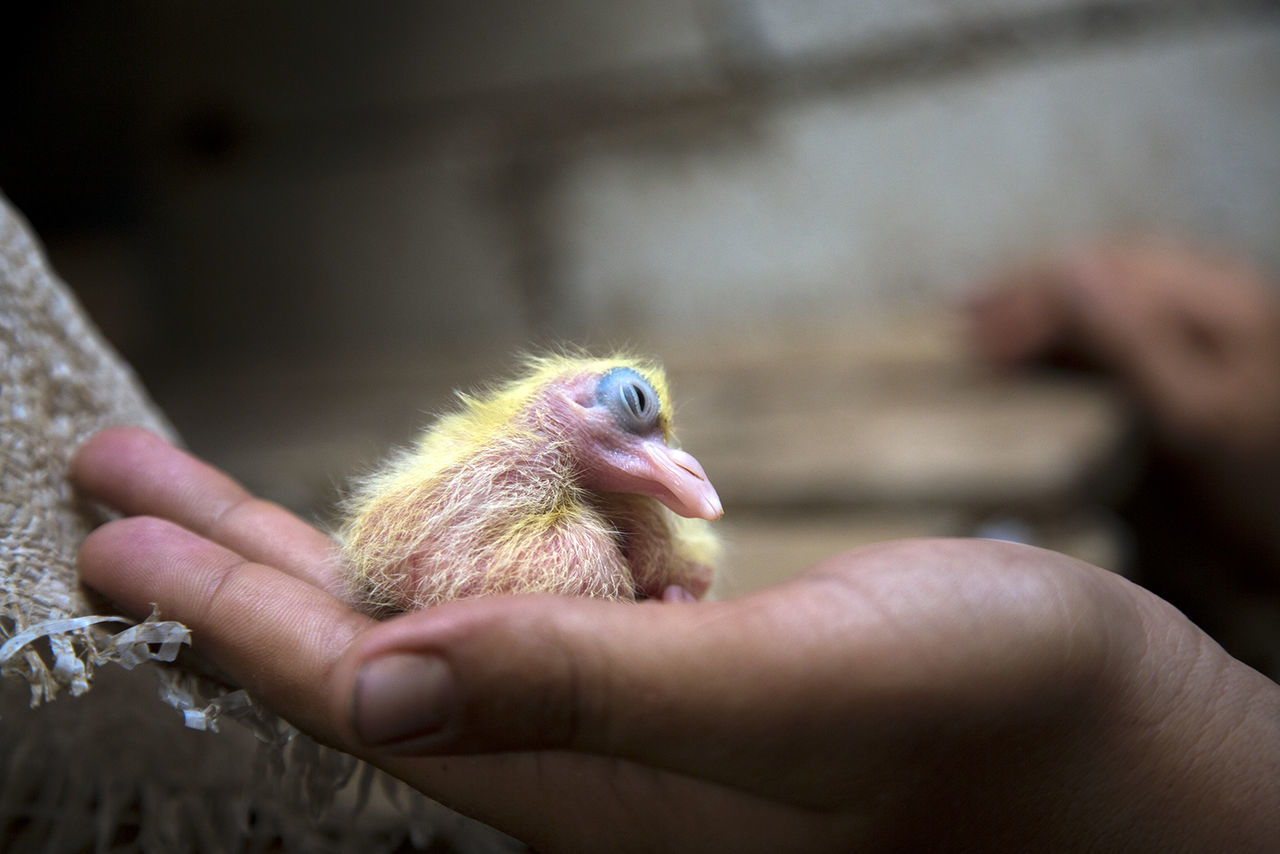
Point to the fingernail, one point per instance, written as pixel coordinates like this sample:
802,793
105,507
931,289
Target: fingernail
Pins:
402,698
676,593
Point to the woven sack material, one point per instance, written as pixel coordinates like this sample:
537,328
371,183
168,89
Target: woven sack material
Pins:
143,761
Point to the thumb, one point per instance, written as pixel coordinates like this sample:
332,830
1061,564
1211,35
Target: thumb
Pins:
535,672
676,686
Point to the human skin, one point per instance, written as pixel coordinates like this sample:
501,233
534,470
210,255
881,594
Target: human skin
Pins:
1192,334
935,694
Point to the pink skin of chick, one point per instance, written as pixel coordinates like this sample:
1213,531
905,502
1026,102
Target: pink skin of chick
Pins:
573,495
618,460
632,461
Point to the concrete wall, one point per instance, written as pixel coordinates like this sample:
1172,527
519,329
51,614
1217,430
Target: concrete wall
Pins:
836,199
304,177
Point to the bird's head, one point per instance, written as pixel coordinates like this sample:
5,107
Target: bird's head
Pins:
617,417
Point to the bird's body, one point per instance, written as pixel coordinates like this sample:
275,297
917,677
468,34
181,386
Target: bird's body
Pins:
553,482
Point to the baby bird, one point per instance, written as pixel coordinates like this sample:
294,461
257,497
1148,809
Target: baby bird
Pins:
564,480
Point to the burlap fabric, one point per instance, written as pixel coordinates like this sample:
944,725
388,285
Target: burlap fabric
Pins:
114,768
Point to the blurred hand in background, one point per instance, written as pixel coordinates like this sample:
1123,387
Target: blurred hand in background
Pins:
1194,336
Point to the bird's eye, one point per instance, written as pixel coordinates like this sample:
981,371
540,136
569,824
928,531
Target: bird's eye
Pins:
630,398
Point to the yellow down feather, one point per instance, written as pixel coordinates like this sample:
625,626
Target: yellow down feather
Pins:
452,517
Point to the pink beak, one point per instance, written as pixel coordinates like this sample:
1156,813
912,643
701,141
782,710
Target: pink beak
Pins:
689,492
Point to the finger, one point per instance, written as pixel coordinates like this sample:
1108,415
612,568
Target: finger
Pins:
279,636
281,639
142,475
688,688
1149,326
1017,318
274,635
843,667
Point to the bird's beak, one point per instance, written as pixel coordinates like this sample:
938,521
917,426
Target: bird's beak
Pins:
689,492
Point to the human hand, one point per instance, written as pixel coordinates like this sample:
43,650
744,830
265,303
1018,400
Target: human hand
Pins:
1196,335
930,693
1196,338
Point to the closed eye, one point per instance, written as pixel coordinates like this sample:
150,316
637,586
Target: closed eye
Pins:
630,398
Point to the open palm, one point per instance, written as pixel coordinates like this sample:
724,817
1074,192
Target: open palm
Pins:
946,693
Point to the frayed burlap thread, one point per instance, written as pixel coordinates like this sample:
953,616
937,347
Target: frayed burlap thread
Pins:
116,768
59,383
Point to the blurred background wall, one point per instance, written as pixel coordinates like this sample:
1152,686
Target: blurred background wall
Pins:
304,221
309,177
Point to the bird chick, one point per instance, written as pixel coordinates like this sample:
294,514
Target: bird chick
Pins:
564,480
